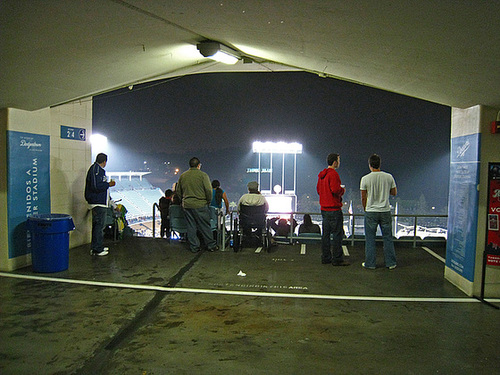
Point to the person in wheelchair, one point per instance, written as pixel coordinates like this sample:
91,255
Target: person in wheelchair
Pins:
252,210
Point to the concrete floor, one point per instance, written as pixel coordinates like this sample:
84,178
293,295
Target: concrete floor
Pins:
288,315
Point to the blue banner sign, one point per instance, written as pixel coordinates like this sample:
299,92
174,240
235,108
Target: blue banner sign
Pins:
463,205
78,134
28,185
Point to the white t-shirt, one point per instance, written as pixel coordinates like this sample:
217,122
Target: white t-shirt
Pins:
378,186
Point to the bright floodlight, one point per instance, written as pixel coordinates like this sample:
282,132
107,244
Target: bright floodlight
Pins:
99,143
280,203
277,147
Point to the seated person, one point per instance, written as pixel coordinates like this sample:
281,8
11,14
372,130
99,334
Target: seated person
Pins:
252,199
308,226
281,227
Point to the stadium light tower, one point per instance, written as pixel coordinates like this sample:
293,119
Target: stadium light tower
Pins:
278,148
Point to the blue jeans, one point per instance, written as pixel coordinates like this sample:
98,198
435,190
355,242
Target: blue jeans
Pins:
198,220
372,221
98,224
333,225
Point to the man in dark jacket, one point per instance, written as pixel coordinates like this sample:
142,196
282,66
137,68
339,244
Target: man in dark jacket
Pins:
330,199
96,194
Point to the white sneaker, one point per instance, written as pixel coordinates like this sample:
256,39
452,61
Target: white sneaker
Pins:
392,267
101,254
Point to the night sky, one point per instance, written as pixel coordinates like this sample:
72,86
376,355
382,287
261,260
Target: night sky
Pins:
218,116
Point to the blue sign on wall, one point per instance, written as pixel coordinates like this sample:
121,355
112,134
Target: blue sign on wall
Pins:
78,134
28,185
463,205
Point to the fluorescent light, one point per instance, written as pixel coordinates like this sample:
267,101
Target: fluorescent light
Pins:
277,147
223,57
218,52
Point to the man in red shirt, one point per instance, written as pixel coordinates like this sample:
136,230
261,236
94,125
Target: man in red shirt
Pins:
330,199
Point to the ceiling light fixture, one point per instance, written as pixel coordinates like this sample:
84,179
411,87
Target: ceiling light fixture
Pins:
218,52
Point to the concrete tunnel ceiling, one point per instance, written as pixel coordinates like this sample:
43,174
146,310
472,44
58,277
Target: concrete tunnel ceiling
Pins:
57,51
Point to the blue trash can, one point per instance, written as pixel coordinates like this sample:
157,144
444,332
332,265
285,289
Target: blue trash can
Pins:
50,241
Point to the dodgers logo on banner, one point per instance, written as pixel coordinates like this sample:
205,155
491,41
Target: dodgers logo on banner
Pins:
28,185
462,209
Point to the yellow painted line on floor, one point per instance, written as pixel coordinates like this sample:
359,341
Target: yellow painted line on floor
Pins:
434,254
244,293
346,252
303,249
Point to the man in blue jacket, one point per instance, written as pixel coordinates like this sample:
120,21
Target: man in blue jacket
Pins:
97,196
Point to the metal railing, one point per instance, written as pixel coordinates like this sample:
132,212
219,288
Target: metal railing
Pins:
351,218
221,234
155,207
412,237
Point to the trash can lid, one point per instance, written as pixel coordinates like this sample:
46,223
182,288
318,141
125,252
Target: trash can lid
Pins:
50,217
50,223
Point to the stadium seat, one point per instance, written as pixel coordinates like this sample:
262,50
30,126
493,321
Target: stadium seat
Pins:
178,222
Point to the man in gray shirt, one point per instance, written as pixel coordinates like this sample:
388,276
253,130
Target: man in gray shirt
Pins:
195,190
375,190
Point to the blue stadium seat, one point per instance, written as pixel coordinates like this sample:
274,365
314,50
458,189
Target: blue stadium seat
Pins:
178,222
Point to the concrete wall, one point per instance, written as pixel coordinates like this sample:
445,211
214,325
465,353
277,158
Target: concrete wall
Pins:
69,161
476,120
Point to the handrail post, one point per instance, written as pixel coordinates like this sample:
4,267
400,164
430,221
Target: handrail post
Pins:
154,217
352,229
222,229
415,232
